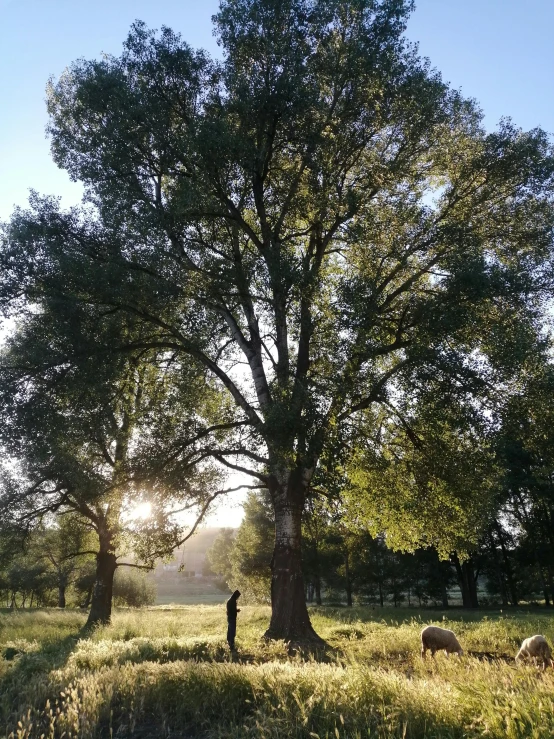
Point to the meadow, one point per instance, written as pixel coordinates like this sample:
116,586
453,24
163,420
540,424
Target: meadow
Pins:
166,672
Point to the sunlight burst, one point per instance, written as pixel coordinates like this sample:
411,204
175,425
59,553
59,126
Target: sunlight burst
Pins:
143,511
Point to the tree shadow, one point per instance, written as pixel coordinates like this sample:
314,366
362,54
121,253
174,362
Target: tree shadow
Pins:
490,656
27,668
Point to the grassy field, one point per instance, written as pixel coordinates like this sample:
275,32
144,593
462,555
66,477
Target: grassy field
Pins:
167,672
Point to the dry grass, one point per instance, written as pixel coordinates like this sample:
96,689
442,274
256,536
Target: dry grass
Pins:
167,672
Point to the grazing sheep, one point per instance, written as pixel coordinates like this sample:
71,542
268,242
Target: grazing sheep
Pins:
435,638
536,646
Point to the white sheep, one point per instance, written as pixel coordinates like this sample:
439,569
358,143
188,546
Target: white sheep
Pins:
434,638
536,646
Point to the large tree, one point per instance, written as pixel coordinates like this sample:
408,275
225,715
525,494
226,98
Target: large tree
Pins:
314,220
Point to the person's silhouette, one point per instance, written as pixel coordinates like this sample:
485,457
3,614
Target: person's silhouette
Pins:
232,611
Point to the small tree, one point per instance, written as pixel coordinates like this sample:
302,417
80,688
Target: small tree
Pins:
133,589
94,440
219,555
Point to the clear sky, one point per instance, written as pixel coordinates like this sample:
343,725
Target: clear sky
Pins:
500,52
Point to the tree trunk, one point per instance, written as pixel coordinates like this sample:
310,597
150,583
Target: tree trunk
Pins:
289,615
543,583
101,605
498,570
88,598
550,579
472,582
61,596
467,582
318,591
348,580
507,565
444,589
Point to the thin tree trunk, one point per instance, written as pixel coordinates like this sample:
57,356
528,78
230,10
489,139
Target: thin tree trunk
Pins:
61,596
318,590
472,582
444,591
507,565
348,581
498,569
88,598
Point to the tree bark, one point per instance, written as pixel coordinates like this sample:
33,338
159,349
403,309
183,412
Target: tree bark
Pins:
348,580
498,570
289,615
88,598
507,565
318,591
101,604
61,596
444,589
467,582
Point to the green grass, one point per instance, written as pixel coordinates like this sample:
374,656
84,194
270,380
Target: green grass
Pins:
166,672
188,592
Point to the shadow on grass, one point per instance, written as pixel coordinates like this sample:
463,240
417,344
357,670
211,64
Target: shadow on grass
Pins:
491,656
28,667
406,615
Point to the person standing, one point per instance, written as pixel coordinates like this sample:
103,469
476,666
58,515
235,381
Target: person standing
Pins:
232,611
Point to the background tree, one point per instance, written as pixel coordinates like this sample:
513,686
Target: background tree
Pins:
90,440
218,555
133,589
58,546
318,206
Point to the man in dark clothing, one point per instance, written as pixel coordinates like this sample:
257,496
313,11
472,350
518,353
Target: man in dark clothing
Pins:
232,611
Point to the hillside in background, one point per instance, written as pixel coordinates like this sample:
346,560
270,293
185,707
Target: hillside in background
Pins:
185,579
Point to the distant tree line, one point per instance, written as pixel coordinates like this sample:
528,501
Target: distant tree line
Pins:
509,561
48,569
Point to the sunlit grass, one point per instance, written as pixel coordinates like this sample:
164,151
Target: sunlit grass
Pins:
167,671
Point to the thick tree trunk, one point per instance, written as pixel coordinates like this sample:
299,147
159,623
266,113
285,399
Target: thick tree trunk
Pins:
289,615
467,582
61,596
101,605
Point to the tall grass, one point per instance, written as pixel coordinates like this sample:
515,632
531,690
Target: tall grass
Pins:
167,672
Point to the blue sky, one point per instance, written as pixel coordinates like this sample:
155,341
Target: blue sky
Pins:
500,52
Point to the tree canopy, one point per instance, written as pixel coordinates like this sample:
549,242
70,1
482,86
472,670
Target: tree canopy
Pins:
317,222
